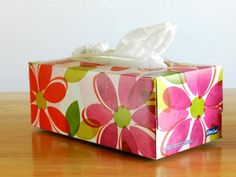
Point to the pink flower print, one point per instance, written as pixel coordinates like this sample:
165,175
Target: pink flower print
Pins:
198,106
125,121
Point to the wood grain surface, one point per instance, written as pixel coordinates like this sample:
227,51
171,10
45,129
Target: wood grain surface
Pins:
27,151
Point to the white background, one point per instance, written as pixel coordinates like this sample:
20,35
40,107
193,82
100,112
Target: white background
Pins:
49,29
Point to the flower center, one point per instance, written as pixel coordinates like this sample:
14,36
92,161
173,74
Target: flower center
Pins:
40,101
197,108
122,117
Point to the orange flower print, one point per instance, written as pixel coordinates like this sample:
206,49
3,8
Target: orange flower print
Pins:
45,93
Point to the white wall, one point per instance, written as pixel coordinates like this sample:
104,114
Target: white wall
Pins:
48,29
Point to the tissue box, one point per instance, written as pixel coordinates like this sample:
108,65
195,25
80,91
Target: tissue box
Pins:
149,112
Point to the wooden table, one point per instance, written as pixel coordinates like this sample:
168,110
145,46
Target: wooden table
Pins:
27,151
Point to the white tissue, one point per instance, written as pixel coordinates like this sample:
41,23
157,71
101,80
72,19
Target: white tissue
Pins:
90,49
141,48
147,44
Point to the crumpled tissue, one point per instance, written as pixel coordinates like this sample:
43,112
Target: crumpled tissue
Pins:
141,48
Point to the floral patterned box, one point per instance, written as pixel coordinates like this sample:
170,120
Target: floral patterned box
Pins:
149,112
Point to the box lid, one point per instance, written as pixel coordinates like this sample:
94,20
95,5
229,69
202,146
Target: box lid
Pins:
173,67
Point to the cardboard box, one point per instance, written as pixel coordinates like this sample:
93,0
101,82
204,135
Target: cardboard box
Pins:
149,112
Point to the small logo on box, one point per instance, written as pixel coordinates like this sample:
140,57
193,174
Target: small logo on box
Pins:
212,131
